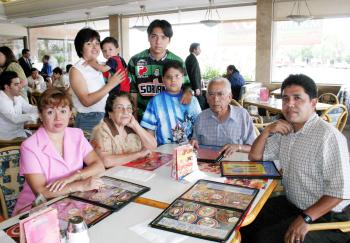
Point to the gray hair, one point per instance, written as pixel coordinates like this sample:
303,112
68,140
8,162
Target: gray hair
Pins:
227,84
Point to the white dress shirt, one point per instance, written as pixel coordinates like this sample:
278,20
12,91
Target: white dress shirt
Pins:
38,83
13,115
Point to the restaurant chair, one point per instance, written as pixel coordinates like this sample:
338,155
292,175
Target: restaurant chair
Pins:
13,142
11,182
235,103
336,115
328,98
87,135
33,100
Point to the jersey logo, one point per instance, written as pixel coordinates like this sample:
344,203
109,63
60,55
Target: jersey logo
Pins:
150,89
141,70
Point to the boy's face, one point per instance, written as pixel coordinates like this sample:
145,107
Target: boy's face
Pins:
173,80
158,41
109,50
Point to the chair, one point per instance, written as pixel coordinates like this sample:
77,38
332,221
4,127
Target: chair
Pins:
235,103
328,98
13,142
10,181
337,115
33,100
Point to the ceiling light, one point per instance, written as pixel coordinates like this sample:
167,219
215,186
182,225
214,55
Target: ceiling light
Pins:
208,17
142,17
295,14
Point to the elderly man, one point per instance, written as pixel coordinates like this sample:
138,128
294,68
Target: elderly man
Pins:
223,124
14,110
314,158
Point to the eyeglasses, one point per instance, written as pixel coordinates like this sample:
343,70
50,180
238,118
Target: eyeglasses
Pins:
218,94
175,77
120,107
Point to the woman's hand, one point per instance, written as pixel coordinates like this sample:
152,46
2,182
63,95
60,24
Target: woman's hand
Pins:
133,124
60,184
116,78
144,153
91,183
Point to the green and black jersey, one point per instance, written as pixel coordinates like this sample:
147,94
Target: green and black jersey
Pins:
145,75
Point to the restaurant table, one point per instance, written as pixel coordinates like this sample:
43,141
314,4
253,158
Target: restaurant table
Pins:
276,106
130,225
165,189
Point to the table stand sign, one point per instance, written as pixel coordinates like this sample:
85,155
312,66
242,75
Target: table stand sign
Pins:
40,227
184,161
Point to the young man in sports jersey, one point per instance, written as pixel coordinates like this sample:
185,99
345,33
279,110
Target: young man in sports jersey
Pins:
146,68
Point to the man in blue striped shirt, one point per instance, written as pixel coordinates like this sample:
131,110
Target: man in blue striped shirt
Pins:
165,116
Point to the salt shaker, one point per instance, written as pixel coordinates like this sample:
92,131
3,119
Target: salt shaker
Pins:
77,230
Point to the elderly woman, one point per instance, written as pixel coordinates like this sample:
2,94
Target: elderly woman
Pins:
119,138
52,158
89,89
8,62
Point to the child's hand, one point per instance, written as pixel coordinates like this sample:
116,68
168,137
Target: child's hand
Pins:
116,78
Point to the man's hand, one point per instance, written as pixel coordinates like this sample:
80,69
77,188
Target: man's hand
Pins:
229,149
194,143
296,231
186,97
281,126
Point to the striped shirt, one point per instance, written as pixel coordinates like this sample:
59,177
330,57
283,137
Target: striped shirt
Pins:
236,129
171,120
315,163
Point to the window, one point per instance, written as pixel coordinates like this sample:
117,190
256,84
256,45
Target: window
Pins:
231,42
58,42
318,48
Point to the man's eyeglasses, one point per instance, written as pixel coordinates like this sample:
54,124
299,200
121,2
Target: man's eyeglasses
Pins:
175,77
218,94
120,107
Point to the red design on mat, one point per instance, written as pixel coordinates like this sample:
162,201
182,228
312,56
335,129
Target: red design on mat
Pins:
151,162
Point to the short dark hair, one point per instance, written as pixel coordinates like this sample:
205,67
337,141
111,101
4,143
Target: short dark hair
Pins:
173,64
112,97
163,24
68,67
54,97
6,78
302,80
111,40
194,46
10,57
33,69
232,68
57,70
46,57
25,51
84,35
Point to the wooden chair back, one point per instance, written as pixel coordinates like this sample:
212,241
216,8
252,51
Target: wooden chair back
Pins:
328,98
337,115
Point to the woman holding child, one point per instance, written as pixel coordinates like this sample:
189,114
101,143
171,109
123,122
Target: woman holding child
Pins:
119,138
89,89
52,158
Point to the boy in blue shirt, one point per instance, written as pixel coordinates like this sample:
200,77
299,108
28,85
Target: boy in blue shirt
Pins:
165,116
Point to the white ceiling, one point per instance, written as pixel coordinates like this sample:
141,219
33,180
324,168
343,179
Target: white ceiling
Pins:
43,12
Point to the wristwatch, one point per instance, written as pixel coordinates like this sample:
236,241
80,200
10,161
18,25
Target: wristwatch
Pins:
306,218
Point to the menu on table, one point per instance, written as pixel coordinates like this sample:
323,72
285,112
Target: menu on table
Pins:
208,210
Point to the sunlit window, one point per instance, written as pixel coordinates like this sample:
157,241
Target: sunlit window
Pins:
318,48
